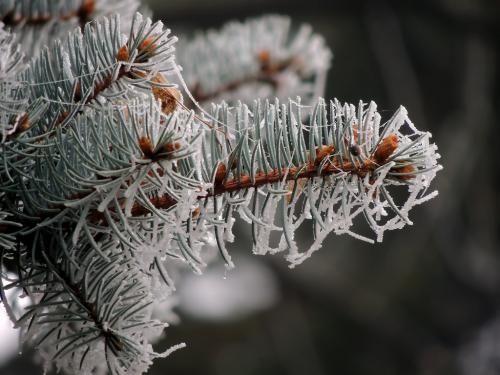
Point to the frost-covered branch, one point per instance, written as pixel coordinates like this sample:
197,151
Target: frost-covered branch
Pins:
88,311
108,181
259,58
279,173
38,23
15,13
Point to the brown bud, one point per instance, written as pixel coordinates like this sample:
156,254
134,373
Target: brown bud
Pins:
87,7
220,173
264,57
171,147
267,66
245,179
24,123
146,146
123,53
322,152
385,148
148,45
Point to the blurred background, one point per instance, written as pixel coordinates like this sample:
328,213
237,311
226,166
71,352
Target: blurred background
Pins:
425,301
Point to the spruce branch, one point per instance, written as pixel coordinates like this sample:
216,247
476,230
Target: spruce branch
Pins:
339,165
14,14
267,74
38,23
91,67
261,57
107,180
87,312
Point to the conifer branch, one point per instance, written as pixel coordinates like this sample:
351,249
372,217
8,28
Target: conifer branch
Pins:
268,72
260,57
84,301
38,23
324,165
107,180
83,14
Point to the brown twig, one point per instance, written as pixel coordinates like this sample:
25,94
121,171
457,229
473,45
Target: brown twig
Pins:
268,70
384,150
222,185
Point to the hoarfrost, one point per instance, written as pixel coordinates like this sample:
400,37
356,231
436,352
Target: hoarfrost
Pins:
304,185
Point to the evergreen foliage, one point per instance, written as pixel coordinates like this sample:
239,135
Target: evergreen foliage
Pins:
108,179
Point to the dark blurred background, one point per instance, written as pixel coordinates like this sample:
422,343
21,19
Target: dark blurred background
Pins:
425,301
